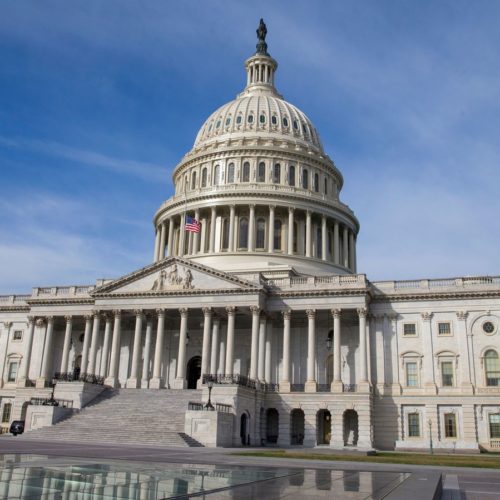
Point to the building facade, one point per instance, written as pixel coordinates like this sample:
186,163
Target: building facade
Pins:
263,299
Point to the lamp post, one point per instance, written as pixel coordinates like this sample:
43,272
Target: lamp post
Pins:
209,405
431,449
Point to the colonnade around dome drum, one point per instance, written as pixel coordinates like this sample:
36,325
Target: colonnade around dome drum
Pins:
259,228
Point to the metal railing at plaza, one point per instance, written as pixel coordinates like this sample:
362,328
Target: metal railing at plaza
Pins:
79,377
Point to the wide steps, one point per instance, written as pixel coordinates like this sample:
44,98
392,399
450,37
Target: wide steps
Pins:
128,416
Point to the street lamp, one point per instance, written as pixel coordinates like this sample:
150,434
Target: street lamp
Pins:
431,449
209,405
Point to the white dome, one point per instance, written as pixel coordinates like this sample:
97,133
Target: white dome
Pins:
259,112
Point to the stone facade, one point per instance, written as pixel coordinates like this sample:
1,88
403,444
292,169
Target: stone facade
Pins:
265,302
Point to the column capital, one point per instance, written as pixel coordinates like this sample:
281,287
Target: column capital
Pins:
287,313
40,322
7,324
462,315
88,317
68,318
272,206
231,310
291,210
309,212
232,206
336,313
362,312
255,309
31,319
49,319
207,311
117,313
95,312
311,313
183,312
426,316
139,312
160,312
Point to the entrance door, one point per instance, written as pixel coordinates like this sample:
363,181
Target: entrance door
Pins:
245,438
350,428
324,427
193,372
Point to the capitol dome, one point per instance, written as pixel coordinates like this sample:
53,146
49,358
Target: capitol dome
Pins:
262,192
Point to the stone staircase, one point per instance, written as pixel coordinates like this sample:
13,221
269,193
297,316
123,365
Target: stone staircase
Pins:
127,416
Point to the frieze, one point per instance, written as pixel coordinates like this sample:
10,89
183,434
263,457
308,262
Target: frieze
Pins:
173,280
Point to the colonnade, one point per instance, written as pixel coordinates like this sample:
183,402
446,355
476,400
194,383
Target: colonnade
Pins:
217,356
287,231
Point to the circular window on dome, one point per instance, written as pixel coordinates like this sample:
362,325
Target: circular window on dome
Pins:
489,328
274,120
250,118
285,122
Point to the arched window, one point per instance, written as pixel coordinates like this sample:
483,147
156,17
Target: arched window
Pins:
285,122
250,118
316,182
492,368
217,176
260,240
274,119
243,233
291,175
193,180
305,178
261,173
238,119
204,177
228,120
325,186
225,233
262,119
319,243
295,237
277,173
245,176
277,234
230,173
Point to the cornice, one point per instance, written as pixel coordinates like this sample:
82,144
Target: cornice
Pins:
15,308
318,293
183,293
56,300
435,296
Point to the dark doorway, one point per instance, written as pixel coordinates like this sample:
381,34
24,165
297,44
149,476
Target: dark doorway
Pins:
77,368
244,427
272,425
297,427
350,428
323,427
193,372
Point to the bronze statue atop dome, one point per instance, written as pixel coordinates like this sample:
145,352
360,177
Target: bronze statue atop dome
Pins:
261,37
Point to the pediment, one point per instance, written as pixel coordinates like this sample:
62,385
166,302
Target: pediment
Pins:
174,276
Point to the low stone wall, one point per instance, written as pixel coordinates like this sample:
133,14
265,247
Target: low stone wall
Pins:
81,393
210,428
38,416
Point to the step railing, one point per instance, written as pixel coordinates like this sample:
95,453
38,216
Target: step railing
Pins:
63,403
219,407
89,378
223,379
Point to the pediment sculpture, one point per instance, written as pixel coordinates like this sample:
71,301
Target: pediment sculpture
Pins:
173,279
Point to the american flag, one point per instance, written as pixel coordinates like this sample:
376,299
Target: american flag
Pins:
192,224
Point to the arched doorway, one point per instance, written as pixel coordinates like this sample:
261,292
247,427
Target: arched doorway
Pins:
272,425
193,372
297,427
245,429
350,428
323,427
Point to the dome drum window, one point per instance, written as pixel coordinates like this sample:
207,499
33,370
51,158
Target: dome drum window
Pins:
245,176
488,328
261,173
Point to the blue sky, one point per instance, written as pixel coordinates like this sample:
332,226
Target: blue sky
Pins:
99,100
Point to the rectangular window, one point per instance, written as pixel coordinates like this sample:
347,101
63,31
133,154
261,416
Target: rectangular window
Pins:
7,407
450,425
409,329
444,328
495,425
447,373
17,335
411,374
12,375
413,425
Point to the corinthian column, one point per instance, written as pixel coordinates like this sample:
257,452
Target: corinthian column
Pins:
25,363
262,348
46,374
147,353
86,343
324,239
157,382
67,344
163,234
270,244
290,231
308,233
336,245
133,381
170,244
251,229
465,376
311,351
105,347
215,346
337,360
180,380
94,343
182,236
205,352
231,228
284,383
345,250
231,312
211,243
254,348
114,363
428,372
363,360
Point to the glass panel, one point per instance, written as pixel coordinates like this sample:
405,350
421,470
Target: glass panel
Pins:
193,180
305,178
204,178
413,425
450,425
277,173
319,243
411,374
291,175
447,373
225,234
230,173
261,174
277,234
492,367
246,172
409,329
216,175
316,183
261,234
6,412
243,233
444,328
494,425
13,372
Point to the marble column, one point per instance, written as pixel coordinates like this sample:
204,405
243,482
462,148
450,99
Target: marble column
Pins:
203,237
324,239
163,235
25,363
211,243
147,353
170,244
232,210
308,234
182,236
67,344
114,363
262,348
157,244
251,229
46,374
363,383
465,375
231,315
290,230
215,346
336,244
268,357
94,343
345,249
180,379
270,244
285,373
351,251
337,385
428,368
156,381
254,349
355,259
310,385
86,343
205,352
105,347
133,380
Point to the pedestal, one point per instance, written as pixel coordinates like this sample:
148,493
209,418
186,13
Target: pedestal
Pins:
310,386
132,383
285,386
337,387
179,383
111,382
156,383
41,383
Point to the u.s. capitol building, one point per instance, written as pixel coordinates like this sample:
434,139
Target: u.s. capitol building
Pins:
263,301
